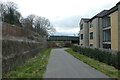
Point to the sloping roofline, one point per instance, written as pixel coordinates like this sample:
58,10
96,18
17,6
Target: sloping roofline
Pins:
85,19
113,9
99,15
106,12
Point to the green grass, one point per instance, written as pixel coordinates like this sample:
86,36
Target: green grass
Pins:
104,68
33,68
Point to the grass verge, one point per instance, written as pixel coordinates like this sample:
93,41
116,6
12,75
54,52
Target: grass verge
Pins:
104,68
33,68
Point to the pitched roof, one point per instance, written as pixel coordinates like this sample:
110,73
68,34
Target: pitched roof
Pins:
85,19
118,3
99,15
113,9
102,13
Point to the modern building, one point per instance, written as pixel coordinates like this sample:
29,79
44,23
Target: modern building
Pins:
84,30
111,28
102,30
95,30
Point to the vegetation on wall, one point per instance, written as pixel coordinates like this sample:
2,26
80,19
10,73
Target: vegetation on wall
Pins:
10,14
40,25
102,56
33,68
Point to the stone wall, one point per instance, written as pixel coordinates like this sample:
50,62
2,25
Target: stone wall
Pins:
17,47
13,30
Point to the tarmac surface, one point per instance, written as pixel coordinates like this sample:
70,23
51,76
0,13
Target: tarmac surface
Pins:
63,65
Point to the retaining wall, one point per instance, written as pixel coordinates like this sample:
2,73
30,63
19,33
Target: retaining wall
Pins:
19,45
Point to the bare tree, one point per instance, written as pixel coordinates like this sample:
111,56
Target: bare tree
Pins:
28,22
40,25
3,9
43,26
51,30
9,13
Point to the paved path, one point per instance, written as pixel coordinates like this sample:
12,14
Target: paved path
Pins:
63,65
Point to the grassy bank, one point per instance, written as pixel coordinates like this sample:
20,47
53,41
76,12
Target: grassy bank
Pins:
104,68
33,68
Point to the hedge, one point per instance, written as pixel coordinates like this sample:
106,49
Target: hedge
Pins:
101,55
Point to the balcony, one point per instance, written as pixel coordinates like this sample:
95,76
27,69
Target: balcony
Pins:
107,46
107,36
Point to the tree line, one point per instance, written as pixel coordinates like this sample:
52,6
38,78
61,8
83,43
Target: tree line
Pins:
10,14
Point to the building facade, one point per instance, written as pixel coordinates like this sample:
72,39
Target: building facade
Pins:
84,30
115,28
95,30
103,30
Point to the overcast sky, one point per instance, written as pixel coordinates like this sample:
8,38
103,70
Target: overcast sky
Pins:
64,15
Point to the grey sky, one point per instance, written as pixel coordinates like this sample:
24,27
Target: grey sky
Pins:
64,14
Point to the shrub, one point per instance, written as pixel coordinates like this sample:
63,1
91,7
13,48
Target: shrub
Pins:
100,55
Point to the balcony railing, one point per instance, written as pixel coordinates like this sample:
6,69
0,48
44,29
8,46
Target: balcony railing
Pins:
109,40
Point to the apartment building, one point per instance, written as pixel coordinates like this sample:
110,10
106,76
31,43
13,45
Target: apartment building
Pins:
95,30
84,30
103,30
111,28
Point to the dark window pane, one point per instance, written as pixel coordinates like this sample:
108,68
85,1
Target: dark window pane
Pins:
91,35
91,44
81,26
81,36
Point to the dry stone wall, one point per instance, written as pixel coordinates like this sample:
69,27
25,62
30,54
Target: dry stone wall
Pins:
18,48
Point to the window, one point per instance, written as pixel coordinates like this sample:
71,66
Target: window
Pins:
106,22
81,36
107,46
91,24
107,35
91,35
81,26
91,45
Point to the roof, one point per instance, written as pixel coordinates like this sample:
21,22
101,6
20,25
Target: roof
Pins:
118,3
84,19
63,38
103,13
113,9
99,15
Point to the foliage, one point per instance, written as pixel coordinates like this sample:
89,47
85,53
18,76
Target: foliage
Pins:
33,68
106,69
27,23
102,56
43,26
9,13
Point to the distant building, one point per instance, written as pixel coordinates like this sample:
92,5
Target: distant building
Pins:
72,39
102,30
